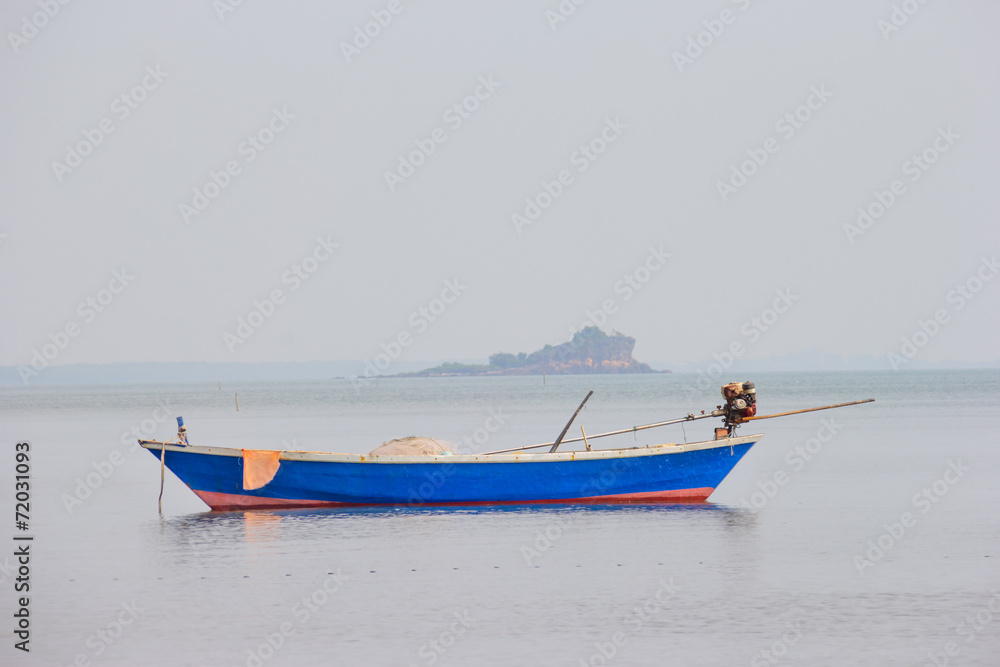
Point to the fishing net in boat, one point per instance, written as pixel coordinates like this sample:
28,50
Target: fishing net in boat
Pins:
412,446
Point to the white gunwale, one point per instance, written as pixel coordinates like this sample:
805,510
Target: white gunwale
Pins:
513,457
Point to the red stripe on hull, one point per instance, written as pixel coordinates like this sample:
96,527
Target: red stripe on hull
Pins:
232,501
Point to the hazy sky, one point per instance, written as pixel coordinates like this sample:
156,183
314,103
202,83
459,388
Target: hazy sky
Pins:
615,122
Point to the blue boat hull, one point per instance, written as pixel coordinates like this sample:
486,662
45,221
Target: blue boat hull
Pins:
303,479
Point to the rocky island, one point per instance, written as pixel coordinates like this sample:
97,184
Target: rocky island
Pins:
590,351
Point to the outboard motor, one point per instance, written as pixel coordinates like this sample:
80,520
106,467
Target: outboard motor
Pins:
741,402
182,431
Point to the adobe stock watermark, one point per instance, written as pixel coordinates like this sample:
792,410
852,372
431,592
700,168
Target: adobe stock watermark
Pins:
224,7
302,611
88,310
969,629
914,168
752,330
366,32
958,298
431,650
924,501
104,638
899,17
264,309
122,107
7,570
634,622
249,148
796,458
420,320
628,286
562,12
547,538
32,23
454,116
106,467
777,651
470,444
582,158
698,43
786,125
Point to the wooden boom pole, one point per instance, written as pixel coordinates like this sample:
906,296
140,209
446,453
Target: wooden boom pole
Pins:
555,445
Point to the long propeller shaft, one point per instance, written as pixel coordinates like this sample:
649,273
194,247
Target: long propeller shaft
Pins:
798,412
714,413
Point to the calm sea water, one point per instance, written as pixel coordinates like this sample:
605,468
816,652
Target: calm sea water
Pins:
818,549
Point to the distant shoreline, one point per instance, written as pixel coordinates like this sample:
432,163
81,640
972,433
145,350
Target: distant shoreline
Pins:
229,372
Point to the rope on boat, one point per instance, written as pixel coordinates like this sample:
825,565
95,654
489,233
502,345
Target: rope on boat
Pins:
163,451
180,439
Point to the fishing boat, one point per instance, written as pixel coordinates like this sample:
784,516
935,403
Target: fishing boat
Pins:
237,479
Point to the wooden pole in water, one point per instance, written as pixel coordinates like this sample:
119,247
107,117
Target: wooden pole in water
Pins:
237,401
562,435
798,412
